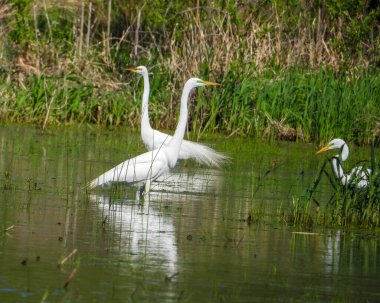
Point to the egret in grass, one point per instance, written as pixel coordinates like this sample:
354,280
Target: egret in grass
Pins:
357,177
153,139
145,168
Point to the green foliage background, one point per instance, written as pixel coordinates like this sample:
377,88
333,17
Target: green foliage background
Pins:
295,70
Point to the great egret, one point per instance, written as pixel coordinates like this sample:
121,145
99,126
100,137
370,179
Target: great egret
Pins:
154,139
357,177
146,167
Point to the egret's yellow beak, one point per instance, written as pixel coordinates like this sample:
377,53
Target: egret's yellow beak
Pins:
133,69
211,83
323,149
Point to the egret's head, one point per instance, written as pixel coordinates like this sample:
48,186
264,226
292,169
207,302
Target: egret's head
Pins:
196,82
139,69
333,144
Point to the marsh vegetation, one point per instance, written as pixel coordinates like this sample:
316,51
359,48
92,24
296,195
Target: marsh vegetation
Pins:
294,70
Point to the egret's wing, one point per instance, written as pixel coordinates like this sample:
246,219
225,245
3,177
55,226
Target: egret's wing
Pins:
359,176
202,154
149,165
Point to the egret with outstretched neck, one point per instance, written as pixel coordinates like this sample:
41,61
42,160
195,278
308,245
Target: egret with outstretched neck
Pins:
147,167
153,138
358,176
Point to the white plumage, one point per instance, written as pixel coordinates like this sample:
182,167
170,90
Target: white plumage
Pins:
358,176
148,166
153,138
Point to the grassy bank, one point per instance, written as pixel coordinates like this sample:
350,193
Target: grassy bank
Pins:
294,70
291,104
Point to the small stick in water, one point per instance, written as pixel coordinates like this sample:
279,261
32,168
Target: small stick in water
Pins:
68,257
104,222
9,228
169,278
71,276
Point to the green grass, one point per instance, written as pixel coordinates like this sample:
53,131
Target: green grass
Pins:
293,104
308,105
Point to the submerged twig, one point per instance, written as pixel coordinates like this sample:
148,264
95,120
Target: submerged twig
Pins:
9,228
71,276
68,257
44,297
169,278
104,222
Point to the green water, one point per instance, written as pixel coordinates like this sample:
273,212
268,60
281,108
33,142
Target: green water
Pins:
190,241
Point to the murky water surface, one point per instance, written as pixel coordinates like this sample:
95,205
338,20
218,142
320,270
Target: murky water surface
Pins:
189,242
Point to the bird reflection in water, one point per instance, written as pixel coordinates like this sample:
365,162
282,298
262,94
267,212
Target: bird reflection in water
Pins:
147,234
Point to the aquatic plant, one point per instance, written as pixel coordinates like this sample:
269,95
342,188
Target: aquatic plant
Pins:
7,182
301,213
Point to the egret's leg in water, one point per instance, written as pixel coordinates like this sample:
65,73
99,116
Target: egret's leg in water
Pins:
147,186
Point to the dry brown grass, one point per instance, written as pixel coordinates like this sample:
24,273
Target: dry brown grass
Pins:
212,39
282,131
219,42
208,37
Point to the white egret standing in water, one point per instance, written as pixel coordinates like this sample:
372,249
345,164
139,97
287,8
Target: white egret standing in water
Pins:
358,175
146,167
154,139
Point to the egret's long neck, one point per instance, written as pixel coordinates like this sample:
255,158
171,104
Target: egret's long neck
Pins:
344,152
338,169
145,125
175,143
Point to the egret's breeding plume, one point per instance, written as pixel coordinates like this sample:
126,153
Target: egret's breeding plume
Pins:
154,139
146,167
358,176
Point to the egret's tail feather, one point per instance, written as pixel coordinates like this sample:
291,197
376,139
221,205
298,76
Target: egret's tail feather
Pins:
99,181
116,174
202,154
94,183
